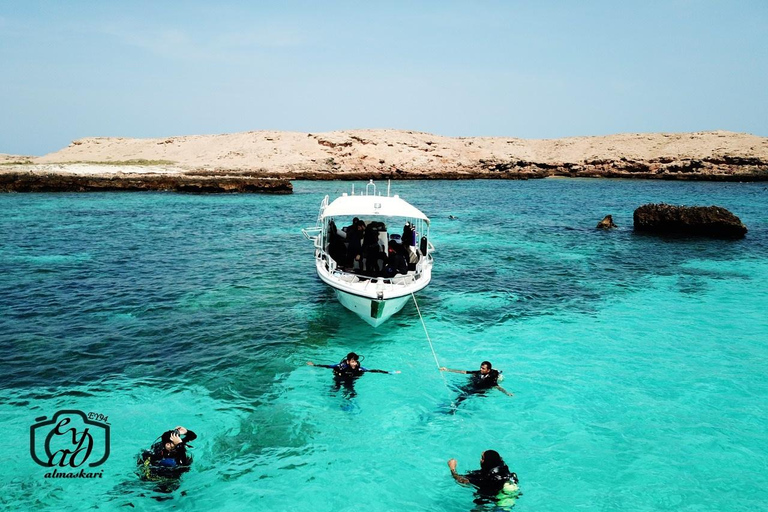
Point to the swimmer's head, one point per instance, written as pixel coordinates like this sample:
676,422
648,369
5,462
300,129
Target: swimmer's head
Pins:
490,459
353,360
168,444
485,367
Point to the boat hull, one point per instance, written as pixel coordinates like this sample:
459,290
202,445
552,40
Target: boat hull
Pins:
374,312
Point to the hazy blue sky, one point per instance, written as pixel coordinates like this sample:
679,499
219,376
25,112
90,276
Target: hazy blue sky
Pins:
531,69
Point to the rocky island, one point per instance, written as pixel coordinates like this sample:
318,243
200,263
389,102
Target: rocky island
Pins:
266,161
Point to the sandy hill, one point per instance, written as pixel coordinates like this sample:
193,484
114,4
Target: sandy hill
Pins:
388,150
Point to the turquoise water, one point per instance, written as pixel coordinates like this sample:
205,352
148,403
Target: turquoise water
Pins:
639,364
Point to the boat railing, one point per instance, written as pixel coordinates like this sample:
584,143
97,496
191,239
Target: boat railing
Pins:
387,282
397,280
312,233
323,206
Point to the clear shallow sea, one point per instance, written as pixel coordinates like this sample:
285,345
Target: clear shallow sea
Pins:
639,364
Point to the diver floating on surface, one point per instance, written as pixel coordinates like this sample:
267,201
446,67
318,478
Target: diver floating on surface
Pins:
347,370
480,381
494,482
167,459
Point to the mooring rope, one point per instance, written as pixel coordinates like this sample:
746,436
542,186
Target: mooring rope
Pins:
428,338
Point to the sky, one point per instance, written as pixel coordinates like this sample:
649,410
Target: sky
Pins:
528,69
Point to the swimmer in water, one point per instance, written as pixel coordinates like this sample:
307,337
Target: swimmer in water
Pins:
168,457
480,381
347,370
494,482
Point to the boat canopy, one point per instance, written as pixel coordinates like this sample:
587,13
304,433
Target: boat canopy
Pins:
366,206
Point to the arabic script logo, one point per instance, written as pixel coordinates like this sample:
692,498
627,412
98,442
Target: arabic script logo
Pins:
69,440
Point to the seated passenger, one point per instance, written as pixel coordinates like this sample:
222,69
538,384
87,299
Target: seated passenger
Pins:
396,260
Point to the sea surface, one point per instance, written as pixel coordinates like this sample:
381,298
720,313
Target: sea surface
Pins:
639,364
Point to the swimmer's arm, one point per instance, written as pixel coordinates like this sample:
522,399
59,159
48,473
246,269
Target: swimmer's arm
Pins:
379,371
444,369
504,390
331,366
459,478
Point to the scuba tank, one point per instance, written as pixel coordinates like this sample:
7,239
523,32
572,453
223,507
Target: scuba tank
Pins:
423,245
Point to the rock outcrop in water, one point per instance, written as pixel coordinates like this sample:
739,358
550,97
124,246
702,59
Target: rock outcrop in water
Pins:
606,223
711,221
27,182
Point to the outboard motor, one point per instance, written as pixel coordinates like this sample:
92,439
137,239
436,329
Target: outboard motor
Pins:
423,245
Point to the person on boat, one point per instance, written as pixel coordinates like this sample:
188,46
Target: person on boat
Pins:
408,238
336,248
347,371
397,262
348,229
494,482
372,253
354,243
168,457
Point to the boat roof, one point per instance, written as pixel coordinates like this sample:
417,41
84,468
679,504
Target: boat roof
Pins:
367,206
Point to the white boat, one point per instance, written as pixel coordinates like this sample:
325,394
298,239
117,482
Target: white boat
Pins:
376,279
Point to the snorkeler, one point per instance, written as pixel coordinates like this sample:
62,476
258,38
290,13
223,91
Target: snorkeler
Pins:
347,370
168,457
494,482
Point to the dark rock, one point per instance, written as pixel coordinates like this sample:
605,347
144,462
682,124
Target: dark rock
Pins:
18,182
711,221
606,223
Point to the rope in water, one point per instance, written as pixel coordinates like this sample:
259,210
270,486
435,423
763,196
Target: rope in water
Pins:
428,338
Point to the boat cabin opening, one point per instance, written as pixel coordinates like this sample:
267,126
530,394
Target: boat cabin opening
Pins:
375,247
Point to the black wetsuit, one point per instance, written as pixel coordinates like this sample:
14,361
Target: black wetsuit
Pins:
354,249
481,382
159,462
344,375
478,384
490,483
344,370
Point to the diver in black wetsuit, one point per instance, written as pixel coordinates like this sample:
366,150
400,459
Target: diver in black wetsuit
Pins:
168,457
494,482
480,381
346,371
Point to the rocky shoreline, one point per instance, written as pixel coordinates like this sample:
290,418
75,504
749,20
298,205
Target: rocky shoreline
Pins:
29,182
268,161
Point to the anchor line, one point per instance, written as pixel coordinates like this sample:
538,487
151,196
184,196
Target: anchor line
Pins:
428,338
